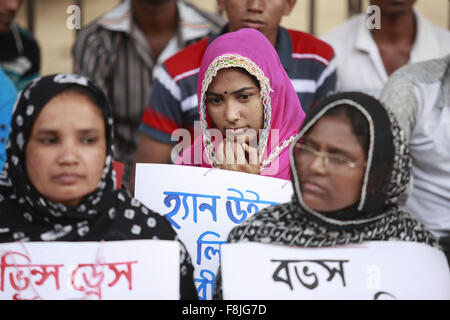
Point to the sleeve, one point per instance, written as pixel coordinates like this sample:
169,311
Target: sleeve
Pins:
326,83
164,113
91,55
400,97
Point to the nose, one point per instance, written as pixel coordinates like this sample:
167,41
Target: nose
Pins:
256,5
232,113
318,165
68,154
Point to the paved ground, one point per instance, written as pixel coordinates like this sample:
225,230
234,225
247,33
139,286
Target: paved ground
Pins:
56,39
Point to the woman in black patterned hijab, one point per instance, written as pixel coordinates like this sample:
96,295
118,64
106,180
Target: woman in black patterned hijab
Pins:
58,182
349,166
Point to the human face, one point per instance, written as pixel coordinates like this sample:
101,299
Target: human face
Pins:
264,15
66,152
234,105
329,188
8,10
394,7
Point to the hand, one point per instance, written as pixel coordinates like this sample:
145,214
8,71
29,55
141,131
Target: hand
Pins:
238,156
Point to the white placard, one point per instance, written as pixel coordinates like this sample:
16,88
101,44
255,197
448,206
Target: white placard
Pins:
372,270
137,269
203,205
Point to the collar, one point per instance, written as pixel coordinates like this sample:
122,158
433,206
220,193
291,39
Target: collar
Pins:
425,47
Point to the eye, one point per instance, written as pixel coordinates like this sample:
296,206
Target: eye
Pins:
338,159
213,101
48,140
89,140
245,96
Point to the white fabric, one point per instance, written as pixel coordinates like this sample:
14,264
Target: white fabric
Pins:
421,102
359,64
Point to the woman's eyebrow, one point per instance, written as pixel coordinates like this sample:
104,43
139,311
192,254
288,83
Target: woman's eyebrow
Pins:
242,89
209,93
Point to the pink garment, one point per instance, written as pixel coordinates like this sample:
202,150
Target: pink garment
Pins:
250,49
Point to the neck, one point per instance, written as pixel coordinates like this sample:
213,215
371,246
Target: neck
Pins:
396,28
155,18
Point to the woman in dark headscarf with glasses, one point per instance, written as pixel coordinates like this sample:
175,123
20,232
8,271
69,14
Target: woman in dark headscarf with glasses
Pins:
59,181
349,166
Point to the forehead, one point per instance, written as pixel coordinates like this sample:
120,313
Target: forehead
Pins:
334,132
69,109
231,78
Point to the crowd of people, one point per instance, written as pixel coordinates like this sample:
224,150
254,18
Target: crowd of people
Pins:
357,121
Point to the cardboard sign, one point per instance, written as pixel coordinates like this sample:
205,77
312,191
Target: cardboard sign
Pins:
372,270
138,269
203,205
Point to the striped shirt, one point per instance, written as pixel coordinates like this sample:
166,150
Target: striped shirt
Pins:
114,53
308,61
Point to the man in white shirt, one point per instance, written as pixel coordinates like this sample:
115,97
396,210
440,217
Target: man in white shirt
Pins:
370,48
419,96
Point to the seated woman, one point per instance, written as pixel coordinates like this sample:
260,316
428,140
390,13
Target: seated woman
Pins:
349,166
60,181
245,95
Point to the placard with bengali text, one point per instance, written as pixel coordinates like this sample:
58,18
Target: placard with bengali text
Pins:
373,270
137,269
203,205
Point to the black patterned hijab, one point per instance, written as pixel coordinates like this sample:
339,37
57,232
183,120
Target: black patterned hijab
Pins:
376,216
105,214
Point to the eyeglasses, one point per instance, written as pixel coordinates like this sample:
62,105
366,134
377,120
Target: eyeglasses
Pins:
333,161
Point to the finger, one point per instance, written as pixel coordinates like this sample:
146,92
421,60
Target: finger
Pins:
229,153
251,153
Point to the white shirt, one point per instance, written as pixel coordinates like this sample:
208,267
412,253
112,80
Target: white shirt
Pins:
359,63
419,96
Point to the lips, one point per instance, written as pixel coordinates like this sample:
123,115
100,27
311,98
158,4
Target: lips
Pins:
67,178
312,187
236,131
255,24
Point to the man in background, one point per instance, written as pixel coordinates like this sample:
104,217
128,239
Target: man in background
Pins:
123,50
369,48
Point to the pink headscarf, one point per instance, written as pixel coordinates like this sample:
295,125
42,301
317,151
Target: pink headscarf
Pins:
251,50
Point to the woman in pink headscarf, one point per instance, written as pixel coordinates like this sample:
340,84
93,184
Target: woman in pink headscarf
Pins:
249,110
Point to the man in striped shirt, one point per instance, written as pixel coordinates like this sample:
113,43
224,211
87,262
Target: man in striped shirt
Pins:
123,52
308,61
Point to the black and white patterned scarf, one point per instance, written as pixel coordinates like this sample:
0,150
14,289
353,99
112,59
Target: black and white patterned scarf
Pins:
375,217
105,214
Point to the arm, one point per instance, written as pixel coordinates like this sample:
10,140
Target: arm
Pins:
399,96
327,81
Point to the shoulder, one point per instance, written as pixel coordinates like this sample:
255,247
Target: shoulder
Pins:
304,44
425,72
188,59
142,222
28,40
340,35
269,218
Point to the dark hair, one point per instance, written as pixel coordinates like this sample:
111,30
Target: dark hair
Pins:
359,123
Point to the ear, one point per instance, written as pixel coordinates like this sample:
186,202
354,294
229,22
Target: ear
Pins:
289,5
221,4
